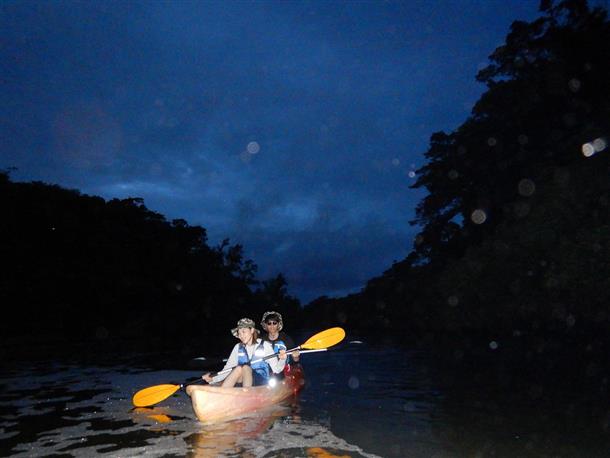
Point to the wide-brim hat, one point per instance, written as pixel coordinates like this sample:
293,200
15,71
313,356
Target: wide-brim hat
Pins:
244,323
272,314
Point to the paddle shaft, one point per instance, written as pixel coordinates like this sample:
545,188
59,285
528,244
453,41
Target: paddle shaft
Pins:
229,369
319,342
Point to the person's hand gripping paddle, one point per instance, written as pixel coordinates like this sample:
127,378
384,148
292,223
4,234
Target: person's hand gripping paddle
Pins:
318,342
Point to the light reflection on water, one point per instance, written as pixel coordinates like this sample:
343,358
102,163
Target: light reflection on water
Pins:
360,400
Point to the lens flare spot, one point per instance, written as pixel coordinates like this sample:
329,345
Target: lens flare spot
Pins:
478,216
526,187
409,406
245,157
599,144
353,382
574,85
253,147
588,150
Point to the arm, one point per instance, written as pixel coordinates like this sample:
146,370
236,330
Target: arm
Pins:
276,364
290,344
231,362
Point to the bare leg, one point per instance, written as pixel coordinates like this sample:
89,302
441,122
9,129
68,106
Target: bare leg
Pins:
236,376
247,377
240,374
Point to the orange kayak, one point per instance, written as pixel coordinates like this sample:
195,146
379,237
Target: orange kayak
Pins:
214,404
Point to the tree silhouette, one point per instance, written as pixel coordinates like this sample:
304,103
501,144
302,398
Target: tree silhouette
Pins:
515,226
79,268
546,97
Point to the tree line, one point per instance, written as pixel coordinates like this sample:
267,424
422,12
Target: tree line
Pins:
80,268
515,229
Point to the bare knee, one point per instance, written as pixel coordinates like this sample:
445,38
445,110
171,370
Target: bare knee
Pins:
247,378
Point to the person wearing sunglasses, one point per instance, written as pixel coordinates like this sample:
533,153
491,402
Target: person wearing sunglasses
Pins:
272,325
246,360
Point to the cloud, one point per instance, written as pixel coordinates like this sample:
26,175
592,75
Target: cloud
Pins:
161,101
322,262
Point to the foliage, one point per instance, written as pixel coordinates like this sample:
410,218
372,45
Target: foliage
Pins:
547,96
515,227
77,267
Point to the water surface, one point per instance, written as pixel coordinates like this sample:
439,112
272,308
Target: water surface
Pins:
362,399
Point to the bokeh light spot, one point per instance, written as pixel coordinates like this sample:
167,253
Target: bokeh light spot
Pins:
478,216
245,156
599,144
526,187
409,406
588,150
253,147
574,85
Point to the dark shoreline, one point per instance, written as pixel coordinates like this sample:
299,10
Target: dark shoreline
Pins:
581,358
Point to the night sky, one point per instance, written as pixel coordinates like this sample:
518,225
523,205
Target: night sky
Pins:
293,128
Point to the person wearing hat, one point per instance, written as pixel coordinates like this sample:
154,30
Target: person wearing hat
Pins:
272,324
243,359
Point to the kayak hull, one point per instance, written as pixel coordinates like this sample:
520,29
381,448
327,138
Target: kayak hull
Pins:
213,404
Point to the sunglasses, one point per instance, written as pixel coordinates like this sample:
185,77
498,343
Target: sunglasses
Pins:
271,322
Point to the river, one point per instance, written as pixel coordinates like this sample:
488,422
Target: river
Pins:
362,399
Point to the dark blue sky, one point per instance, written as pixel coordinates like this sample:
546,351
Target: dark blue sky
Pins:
293,128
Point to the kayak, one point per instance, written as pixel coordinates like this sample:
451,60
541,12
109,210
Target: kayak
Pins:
214,404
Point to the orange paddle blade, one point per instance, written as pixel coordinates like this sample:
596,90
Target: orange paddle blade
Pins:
325,339
153,394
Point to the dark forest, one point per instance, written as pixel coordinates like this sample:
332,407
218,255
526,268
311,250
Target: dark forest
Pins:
513,244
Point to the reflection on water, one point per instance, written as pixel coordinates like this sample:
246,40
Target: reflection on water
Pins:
76,411
233,436
360,400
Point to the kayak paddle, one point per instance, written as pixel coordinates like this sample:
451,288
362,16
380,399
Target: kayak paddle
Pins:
319,342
